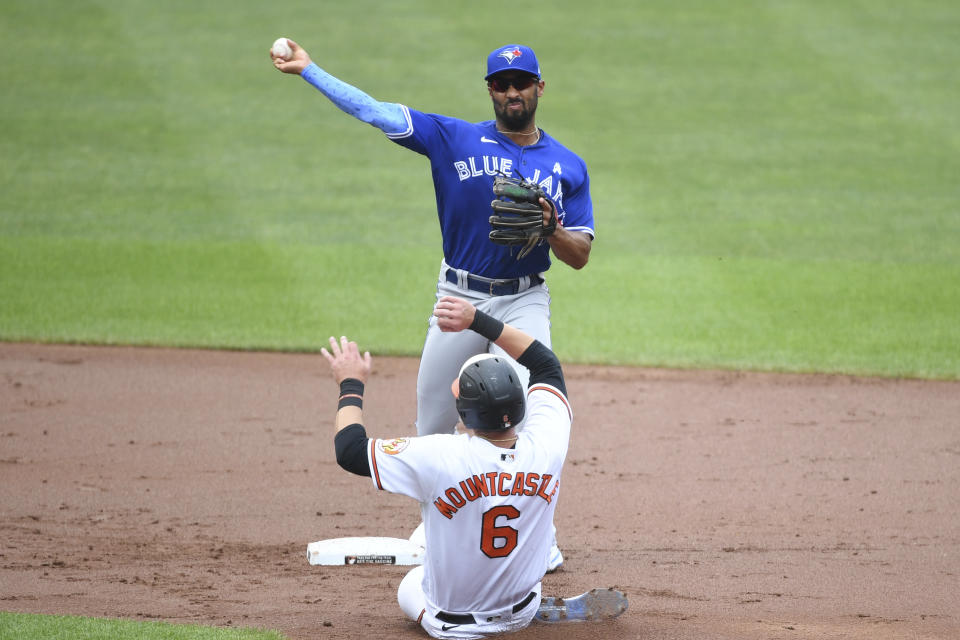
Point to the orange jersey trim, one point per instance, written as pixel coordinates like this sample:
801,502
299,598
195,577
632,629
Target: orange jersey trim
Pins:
373,459
556,392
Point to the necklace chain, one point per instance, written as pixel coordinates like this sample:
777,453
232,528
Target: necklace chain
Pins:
497,439
534,131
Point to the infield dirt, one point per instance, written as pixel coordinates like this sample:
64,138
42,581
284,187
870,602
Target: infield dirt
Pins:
184,486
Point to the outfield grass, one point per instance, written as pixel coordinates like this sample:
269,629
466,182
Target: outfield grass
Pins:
18,626
775,183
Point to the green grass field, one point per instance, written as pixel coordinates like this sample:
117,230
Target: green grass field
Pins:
20,626
775,182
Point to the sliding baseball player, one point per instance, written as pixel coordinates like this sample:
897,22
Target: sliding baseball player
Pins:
487,496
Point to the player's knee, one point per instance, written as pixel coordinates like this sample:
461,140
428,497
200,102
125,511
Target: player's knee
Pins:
410,594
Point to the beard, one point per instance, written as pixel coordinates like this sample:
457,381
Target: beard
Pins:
515,120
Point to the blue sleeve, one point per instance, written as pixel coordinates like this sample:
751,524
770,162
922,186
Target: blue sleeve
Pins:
427,133
578,207
386,116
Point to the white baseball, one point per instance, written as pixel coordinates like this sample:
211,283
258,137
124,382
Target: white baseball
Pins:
281,49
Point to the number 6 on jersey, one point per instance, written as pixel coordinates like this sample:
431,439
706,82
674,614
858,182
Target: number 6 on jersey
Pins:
491,532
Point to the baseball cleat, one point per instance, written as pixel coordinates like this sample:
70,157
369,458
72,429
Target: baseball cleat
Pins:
556,559
596,604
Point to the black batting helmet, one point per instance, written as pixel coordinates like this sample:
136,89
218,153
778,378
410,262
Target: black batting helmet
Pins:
490,396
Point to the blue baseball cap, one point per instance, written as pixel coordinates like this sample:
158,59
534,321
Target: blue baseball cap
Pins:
514,57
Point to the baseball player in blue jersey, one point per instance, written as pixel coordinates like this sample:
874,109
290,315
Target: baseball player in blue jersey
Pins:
464,158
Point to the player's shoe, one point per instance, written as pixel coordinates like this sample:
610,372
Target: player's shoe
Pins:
556,559
596,604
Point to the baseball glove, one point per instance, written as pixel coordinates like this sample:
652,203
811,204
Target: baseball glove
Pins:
517,219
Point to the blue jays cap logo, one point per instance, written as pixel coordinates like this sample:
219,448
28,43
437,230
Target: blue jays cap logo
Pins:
510,54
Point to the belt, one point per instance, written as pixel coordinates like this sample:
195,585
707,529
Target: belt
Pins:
466,618
494,287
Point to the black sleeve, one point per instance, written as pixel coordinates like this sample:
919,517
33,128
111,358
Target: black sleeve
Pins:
543,365
351,445
538,358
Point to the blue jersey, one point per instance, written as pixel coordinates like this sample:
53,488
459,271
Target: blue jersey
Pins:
464,158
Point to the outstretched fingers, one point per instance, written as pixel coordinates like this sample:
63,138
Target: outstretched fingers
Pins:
340,349
345,359
334,350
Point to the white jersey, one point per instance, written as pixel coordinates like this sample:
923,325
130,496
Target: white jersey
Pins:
488,511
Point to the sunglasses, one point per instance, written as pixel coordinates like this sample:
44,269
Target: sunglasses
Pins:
501,85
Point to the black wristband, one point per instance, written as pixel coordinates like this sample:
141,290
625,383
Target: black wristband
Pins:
486,325
351,394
